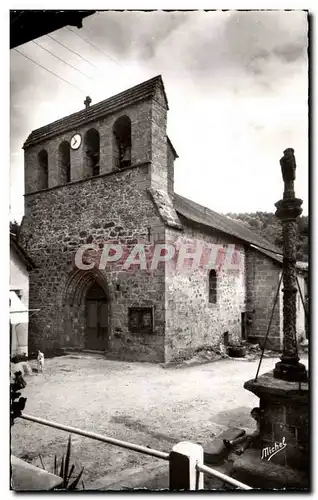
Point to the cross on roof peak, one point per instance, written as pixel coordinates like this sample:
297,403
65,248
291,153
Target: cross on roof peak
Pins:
87,102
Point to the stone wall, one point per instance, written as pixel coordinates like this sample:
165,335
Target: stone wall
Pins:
285,420
170,169
191,321
263,276
115,208
159,172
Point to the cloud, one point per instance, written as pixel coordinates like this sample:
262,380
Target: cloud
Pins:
291,52
133,34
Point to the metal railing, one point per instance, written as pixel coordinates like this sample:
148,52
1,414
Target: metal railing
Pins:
200,468
99,437
223,477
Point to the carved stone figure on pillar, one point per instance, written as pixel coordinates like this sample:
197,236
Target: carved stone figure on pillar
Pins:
288,166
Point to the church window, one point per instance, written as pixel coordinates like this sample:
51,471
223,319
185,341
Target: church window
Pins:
92,152
212,286
64,158
44,169
122,142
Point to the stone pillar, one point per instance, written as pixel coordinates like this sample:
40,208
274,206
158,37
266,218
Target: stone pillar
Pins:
284,392
288,209
284,421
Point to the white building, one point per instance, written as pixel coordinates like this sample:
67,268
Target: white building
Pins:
20,265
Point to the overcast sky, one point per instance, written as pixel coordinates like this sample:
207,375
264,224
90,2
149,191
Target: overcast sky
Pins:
236,83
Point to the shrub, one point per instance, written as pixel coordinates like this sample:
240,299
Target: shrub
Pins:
16,407
18,358
64,470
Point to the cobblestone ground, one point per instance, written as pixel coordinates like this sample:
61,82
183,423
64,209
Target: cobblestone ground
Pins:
142,403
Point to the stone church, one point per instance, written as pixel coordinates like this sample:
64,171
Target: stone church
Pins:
106,174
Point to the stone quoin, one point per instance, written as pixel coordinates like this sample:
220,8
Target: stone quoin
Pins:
106,174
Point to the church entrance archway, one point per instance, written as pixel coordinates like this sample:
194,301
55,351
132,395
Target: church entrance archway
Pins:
86,311
97,318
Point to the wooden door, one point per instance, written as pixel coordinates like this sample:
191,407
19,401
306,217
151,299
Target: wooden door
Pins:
97,319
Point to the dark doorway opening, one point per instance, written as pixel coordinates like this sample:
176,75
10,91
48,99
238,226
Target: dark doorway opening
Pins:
92,150
122,142
226,338
65,162
243,326
44,169
97,319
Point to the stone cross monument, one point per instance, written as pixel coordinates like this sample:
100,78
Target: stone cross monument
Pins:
283,392
288,209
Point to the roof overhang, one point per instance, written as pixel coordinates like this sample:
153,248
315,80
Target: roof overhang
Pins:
27,25
23,256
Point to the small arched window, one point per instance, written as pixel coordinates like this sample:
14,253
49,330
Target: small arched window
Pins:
212,286
64,159
44,169
92,152
122,142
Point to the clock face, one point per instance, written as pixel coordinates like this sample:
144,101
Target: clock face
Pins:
76,141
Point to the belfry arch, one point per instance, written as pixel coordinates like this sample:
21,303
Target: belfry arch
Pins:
92,152
122,142
64,161
43,169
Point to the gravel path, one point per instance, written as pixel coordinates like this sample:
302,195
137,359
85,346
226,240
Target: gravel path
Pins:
142,403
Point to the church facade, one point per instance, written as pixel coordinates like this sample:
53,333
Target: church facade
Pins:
104,177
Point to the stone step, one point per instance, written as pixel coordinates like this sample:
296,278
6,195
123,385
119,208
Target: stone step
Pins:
250,469
27,477
216,451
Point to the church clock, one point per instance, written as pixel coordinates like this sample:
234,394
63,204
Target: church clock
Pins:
76,141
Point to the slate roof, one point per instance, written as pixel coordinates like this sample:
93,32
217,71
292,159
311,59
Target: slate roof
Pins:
141,92
202,215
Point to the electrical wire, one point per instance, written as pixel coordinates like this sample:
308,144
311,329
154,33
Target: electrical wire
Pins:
48,70
60,59
269,326
71,50
302,298
95,46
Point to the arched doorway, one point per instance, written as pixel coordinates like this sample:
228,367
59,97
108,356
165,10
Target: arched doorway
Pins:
97,318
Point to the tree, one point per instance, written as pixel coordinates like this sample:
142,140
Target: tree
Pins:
269,226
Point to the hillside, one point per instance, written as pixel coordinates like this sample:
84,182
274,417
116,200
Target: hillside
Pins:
270,228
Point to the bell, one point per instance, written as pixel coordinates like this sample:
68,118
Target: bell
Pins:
126,158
